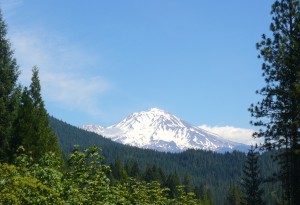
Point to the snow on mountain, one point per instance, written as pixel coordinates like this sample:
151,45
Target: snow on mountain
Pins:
159,130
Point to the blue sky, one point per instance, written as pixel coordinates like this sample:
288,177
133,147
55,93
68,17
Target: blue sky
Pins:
100,61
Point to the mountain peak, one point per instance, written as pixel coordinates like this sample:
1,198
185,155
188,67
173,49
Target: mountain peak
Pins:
156,110
162,131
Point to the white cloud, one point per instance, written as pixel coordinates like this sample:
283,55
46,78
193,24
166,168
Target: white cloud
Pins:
65,69
233,133
71,90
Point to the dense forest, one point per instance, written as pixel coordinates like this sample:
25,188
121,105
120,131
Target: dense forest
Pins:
33,169
46,161
208,172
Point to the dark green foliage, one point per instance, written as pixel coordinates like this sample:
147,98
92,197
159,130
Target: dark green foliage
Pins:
22,125
234,196
35,90
152,173
134,170
203,192
8,92
172,182
213,170
118,171
187,183
23,118
270,185
84,182
251,180
32,129
278,114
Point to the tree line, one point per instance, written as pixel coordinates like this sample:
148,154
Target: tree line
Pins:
207,173
34,170
85,181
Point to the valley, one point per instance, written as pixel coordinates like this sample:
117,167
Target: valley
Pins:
215,171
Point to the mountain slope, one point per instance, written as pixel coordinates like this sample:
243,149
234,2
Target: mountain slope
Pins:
159,130
215,170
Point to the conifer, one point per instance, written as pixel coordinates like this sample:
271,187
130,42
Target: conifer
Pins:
278,113
251,181
32,129
8,92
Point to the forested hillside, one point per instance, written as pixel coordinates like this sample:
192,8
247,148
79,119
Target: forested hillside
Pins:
47,161
32,167
216,173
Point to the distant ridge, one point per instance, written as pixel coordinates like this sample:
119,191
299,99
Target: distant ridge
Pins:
159,130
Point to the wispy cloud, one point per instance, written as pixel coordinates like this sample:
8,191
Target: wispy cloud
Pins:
72,90
65,69
8,6
233,133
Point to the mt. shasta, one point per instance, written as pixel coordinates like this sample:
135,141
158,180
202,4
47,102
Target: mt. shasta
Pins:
159,130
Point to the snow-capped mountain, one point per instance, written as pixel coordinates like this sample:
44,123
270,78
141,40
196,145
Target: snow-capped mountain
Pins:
159,130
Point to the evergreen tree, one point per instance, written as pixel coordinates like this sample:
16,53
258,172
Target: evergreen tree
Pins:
149,174
214,171
234,196
152,173
32,129
203,192
187,183
172,182
22,125
278,114
8,92
135,170
251,181
162,176
118,170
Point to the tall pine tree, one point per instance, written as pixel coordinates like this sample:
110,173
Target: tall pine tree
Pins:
32,129
22,125
234,196
187,183
172,182
8,92
118,170
251,180
278,114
